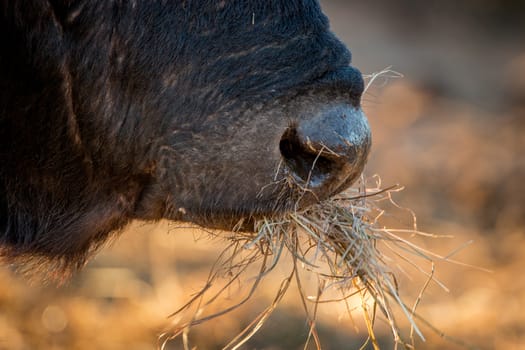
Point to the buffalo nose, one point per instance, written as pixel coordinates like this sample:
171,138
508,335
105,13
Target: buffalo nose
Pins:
327,152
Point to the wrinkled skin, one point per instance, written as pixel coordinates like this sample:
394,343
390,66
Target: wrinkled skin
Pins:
185,110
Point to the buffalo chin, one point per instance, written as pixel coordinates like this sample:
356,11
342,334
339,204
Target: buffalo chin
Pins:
246,220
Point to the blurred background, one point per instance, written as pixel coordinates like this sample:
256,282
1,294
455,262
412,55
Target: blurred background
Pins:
452,131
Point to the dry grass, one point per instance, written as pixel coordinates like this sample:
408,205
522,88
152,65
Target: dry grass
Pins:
342,243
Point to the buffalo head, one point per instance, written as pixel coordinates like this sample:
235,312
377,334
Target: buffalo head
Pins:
202,111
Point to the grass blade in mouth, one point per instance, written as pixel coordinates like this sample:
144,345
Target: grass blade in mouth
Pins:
342,243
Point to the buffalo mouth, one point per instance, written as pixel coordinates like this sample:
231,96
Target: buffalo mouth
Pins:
319,158
290,194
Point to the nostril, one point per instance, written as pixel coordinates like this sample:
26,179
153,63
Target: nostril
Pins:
309,164
327,151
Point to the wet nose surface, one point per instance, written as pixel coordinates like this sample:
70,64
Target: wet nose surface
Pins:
329,151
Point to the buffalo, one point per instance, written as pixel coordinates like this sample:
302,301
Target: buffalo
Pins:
203,111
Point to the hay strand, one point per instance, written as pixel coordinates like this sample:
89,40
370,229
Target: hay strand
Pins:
340,241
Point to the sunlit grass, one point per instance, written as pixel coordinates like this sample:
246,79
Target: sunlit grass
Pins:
341,242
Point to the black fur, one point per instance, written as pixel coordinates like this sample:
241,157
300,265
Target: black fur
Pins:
116,110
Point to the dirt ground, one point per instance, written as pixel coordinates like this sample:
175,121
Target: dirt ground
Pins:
451,131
